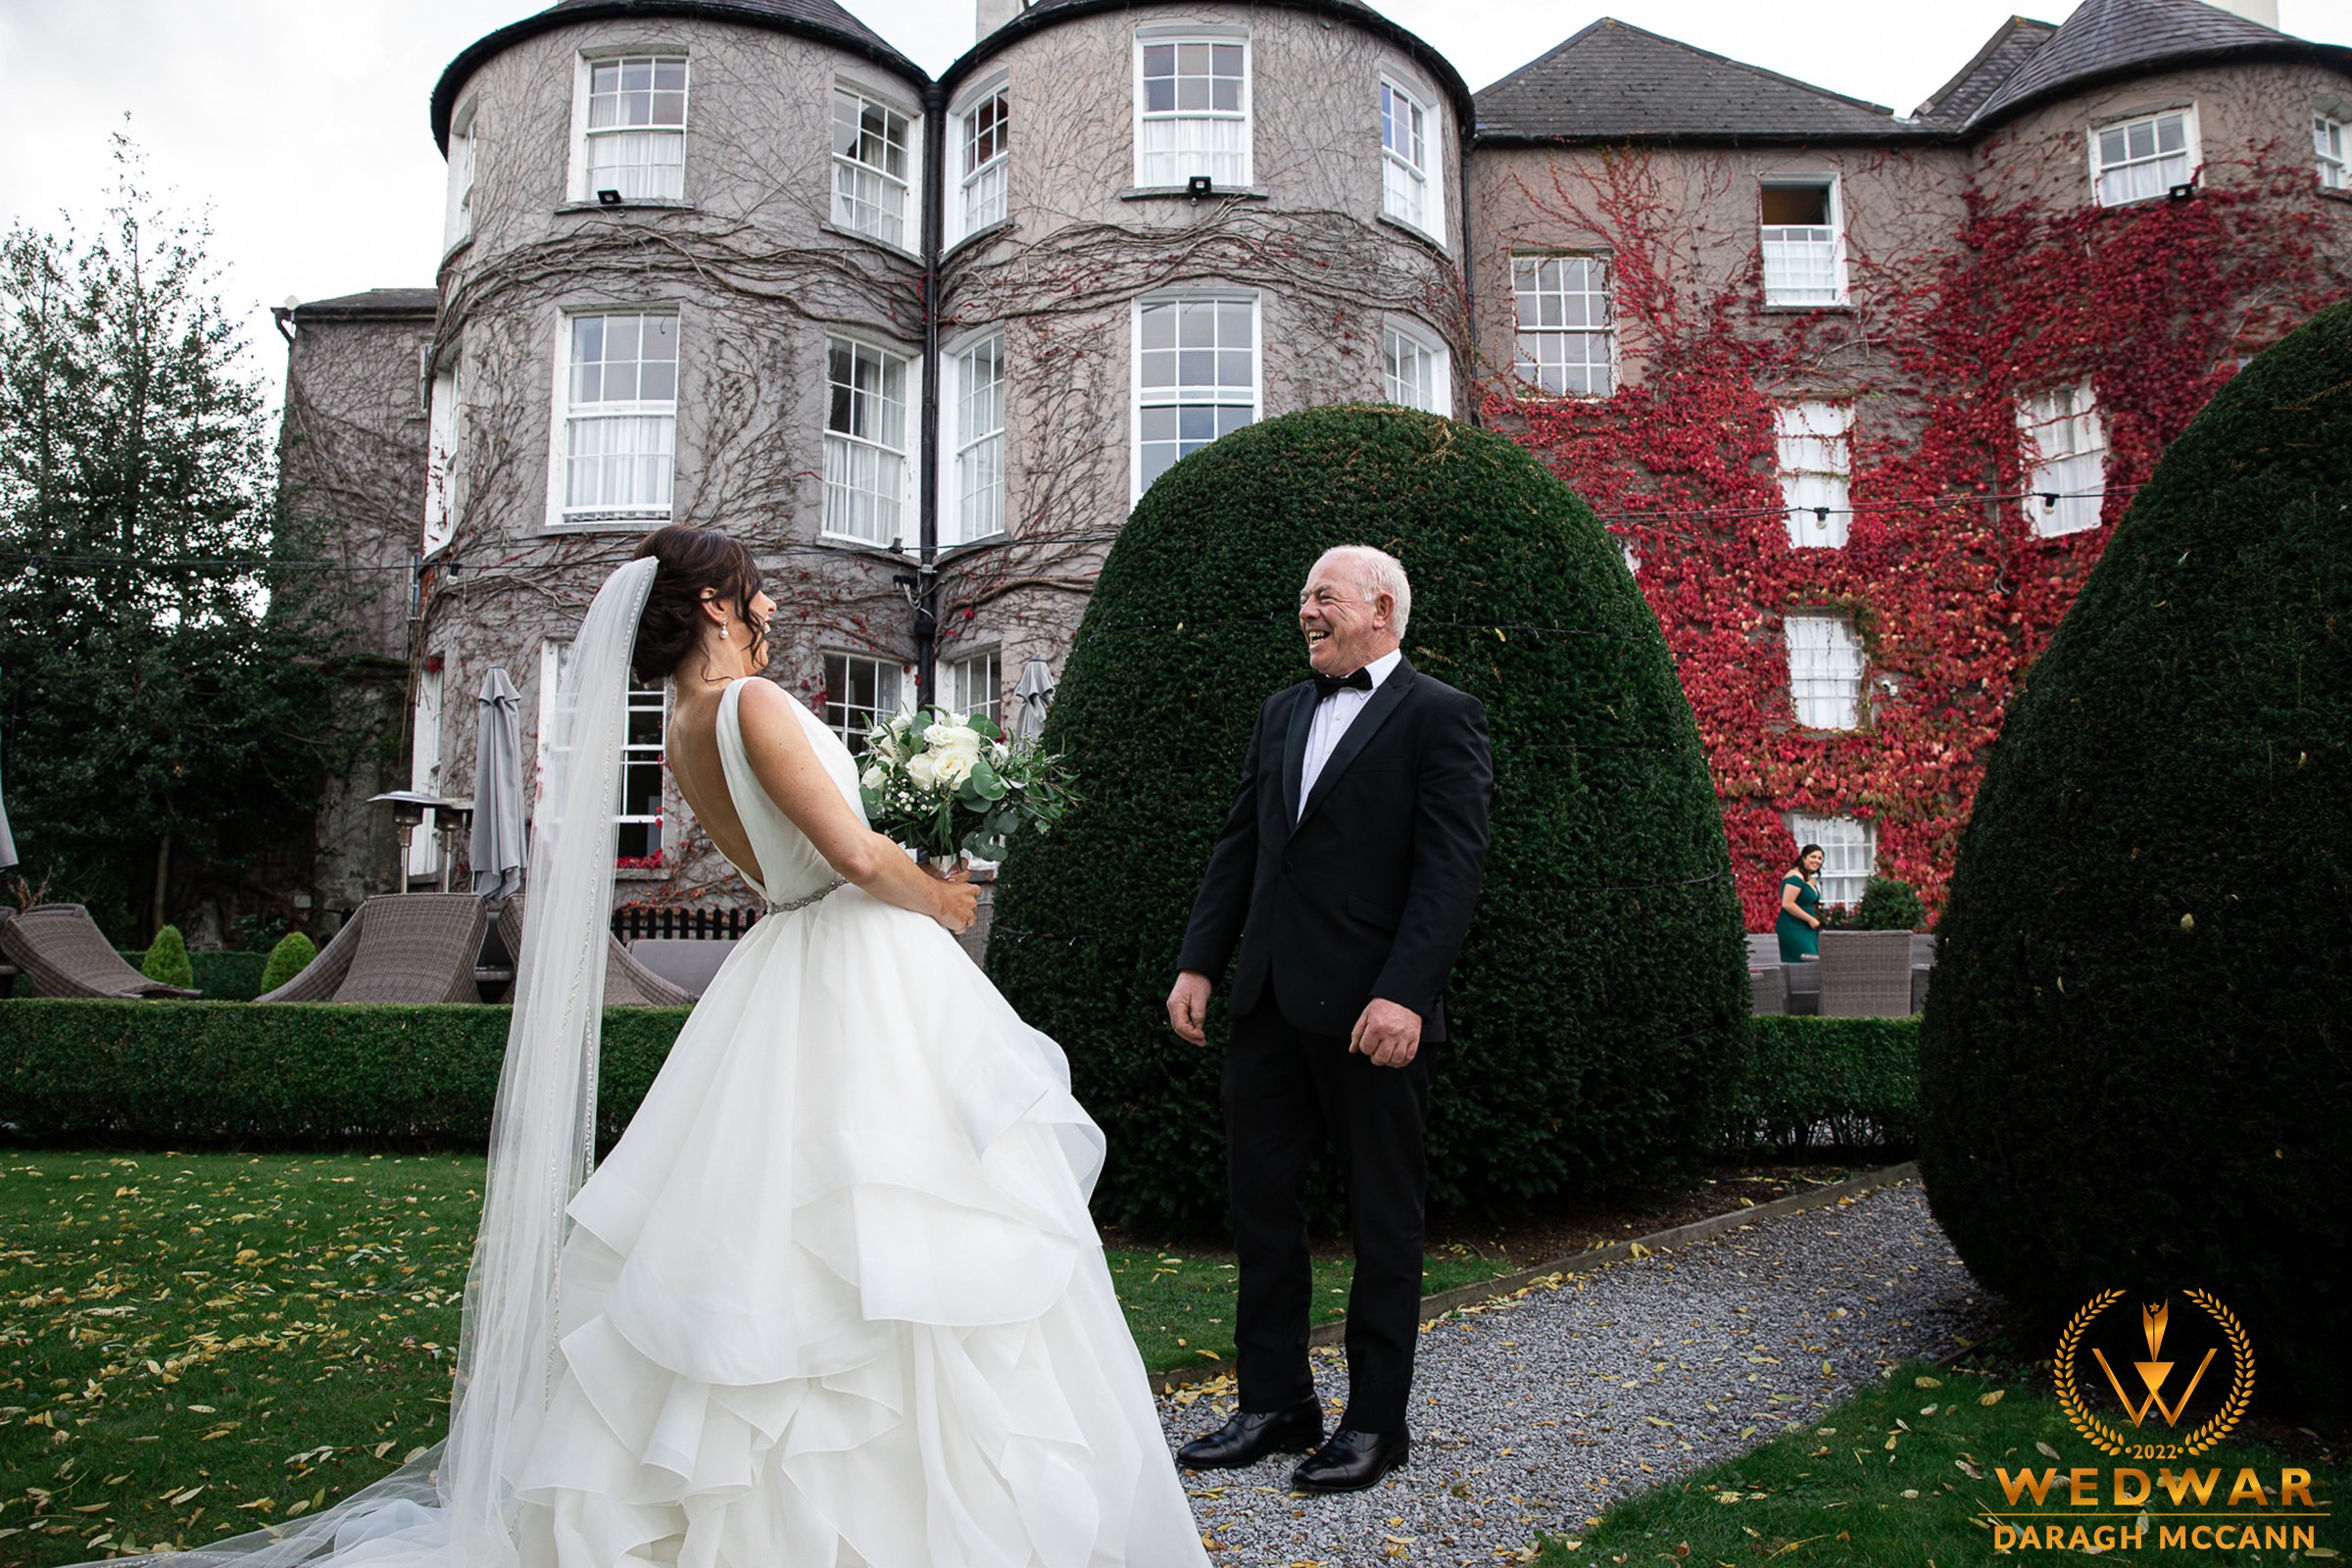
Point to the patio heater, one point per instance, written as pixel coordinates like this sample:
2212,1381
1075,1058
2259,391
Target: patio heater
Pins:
408,814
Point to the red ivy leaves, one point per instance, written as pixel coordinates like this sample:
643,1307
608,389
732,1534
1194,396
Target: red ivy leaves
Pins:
1952,594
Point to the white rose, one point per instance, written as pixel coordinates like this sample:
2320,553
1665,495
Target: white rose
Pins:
954,768
922,769
954,739
1000,751
875,778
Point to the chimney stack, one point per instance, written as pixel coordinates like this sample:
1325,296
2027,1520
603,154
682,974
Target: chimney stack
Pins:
994,13
2265,11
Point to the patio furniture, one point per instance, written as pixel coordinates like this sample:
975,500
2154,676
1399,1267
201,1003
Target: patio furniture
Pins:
1768,990
687,963
1865,974
397,947
628,983
1803,980
61,951
1763,950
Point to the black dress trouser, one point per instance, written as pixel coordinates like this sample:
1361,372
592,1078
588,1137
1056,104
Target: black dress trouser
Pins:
1282,1090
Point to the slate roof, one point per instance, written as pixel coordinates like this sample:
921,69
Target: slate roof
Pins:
373,304
1044,12
2106,39
822,20
2012,44
1619,83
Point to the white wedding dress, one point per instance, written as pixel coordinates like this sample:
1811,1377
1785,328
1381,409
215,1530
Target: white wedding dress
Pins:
836,1298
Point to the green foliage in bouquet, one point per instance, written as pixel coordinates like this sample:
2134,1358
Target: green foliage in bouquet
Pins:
292,954
1598,1010
167,958
2134,1070
943,782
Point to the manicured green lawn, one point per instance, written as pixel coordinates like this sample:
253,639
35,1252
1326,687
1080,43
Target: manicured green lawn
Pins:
1905,1474
192,1345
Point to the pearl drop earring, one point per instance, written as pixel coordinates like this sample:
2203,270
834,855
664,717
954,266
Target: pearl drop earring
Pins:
723,634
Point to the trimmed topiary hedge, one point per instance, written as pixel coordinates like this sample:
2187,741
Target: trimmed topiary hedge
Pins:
1599,1009
292,954
2134,1067
167,958
185,1074
1855,1080
220,974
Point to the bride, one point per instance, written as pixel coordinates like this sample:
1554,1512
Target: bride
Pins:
835,1298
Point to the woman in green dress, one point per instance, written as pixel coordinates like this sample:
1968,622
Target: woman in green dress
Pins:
1799,920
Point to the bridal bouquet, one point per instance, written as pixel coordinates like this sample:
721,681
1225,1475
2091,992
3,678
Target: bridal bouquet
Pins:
947,783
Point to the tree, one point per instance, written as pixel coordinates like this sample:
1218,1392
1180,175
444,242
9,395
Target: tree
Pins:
2132,1067
1597,1012
158,632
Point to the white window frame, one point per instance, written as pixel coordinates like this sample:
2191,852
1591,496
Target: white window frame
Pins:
445,434
1784,234
554,654
1813,443
2331,149
424,767
1849,854
1412,334
2192,154
987,665
982,196
1530,370
850,725
959,445
456,223
1135,365
560,513
643,755
582,187
1826,666
1148,178
1432,171
555,657
909,239
2061,443
842,446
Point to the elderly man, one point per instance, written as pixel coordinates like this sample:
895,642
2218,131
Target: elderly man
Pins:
1345,876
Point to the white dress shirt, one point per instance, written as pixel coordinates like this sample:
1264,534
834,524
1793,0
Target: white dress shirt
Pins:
1333,715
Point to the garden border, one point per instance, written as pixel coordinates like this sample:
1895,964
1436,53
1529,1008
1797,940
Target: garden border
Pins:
1504,1285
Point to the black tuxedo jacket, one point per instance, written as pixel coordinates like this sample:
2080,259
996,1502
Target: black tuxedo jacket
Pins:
1370,893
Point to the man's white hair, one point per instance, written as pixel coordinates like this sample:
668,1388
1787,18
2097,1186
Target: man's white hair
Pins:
1377,573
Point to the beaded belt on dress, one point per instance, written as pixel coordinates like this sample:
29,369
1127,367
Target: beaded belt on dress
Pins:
790,905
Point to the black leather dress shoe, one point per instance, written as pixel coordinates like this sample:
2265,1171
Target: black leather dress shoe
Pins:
1250,1436
1352,1461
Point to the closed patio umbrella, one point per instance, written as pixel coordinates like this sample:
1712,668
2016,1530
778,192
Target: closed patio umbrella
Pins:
496,846
1036,691
8,846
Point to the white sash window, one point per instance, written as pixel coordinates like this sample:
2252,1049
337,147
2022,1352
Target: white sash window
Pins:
866,443
1825,671
1849,854
1567,340
1804,243
2064,459
621,415
984,129
1816,462
2328,144
977,390
2137,160
1195,379
1192,106
636,128
861,689
871,167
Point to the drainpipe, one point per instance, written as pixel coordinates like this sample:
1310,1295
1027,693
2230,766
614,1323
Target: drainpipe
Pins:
926,574
1469,283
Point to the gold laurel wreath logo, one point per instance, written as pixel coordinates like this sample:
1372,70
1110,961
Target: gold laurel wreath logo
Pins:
2061,1374
2242,1381
2204,1437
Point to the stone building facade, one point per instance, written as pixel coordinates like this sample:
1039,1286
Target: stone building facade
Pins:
921,344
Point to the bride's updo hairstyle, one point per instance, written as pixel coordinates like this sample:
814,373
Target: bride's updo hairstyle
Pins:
692,561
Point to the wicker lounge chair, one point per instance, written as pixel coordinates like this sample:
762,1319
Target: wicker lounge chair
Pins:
1768,990
405,946
1803,982
628,983
61,952
688,962
1865,974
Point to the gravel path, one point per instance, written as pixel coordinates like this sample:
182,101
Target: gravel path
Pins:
1535,1413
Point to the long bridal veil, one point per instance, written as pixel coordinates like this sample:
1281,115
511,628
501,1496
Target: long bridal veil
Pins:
452,1506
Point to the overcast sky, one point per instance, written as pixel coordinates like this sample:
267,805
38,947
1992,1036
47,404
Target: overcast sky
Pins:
302,125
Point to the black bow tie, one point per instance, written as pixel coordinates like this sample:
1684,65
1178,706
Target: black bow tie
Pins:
1327,685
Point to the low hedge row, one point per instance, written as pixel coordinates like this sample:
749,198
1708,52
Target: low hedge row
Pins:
182,1074
1845,1083
221,975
